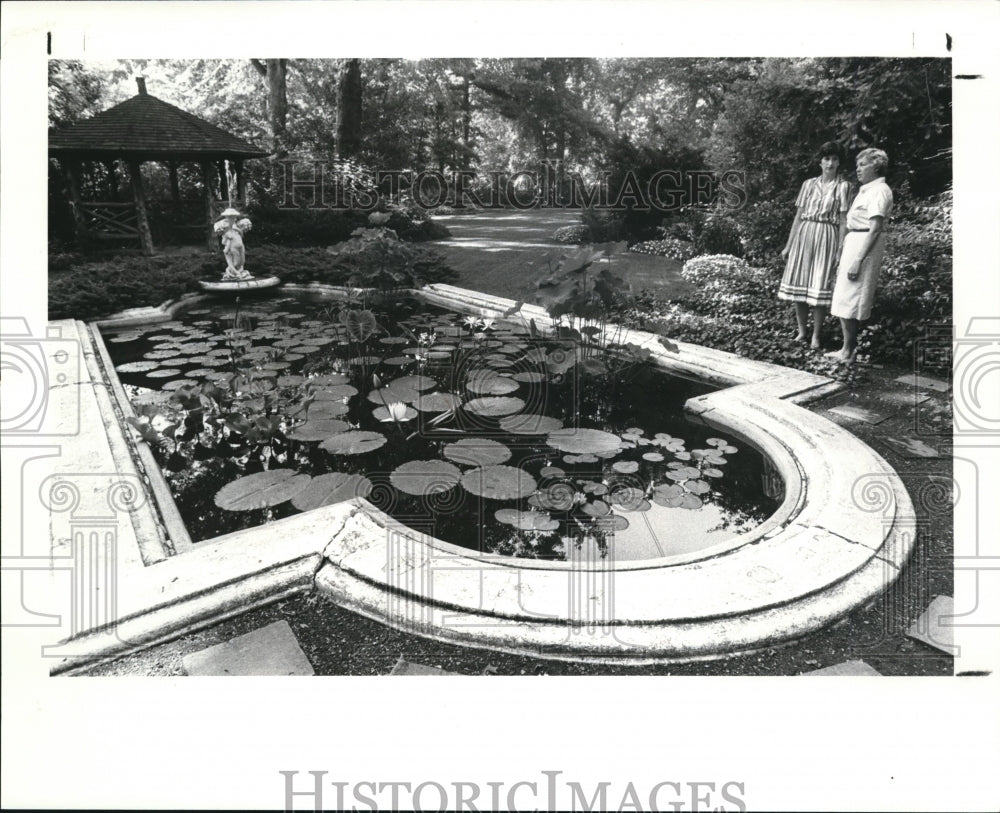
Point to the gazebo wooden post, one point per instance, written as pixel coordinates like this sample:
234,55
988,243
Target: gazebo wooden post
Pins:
175,187
241,192
109,165
223,182
206,179
139,197
71,166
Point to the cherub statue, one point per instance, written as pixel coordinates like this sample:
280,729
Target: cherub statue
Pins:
231,229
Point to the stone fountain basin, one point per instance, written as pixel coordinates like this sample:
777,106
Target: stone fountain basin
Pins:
840,537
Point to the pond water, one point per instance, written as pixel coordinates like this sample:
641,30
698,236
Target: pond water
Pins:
487,435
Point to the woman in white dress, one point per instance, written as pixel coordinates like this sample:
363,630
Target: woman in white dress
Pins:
857,272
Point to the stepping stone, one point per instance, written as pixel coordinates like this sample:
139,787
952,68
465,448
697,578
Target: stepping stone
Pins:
925,382
850,668
270,650
905,398
858,414
404,667
911,448
934,626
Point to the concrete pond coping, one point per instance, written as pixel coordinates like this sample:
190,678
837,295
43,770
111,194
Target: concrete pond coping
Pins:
839,538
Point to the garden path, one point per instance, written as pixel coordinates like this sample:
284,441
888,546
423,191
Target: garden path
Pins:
502,252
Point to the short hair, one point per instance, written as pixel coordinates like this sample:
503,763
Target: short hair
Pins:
831,148
878,157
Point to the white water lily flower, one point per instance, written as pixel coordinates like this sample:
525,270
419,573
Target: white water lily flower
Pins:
397,413
487,323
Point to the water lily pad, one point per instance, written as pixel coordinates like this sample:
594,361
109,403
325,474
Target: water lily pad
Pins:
529,377
160,355
477,452
552,471
354,442
331,488
329,379
369,361
422,477
691,502
317,428
596,489
261,490
290,380
668,495
178,383
653,457
555,497
415,382
397,361
394,413
166,372
493,406
574,459
589,441
626,496
684,473
121,338
597,508
712,472
392,394
527,520
490,383
499,482
611,522
530,424
394,340
438,402
625,466
319,410
137,366
334,392
697,487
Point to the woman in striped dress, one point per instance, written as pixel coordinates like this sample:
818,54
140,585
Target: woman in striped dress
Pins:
814,243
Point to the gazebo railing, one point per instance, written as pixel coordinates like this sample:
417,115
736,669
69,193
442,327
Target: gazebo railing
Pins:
109,219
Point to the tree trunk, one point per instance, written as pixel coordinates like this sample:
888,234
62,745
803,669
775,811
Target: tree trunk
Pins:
349,109
466,118
275,70
141,217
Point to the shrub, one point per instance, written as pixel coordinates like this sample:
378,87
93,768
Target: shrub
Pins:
717,233
667,247
735,307
304,227
575,234
377,258
605,225
93,289
763,228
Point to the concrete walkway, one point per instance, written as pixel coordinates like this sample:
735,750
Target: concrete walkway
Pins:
502,252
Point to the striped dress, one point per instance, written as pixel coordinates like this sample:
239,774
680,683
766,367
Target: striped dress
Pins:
809,272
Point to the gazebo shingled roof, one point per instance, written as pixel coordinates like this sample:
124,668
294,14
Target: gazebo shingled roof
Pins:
142,129
149,128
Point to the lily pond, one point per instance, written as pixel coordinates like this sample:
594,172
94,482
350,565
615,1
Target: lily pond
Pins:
490,435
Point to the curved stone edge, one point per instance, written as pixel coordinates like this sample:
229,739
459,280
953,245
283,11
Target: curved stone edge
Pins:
205,599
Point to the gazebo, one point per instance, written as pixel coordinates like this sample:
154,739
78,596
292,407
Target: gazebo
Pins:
139,130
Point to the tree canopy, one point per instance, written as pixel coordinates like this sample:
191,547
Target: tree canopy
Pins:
765,117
